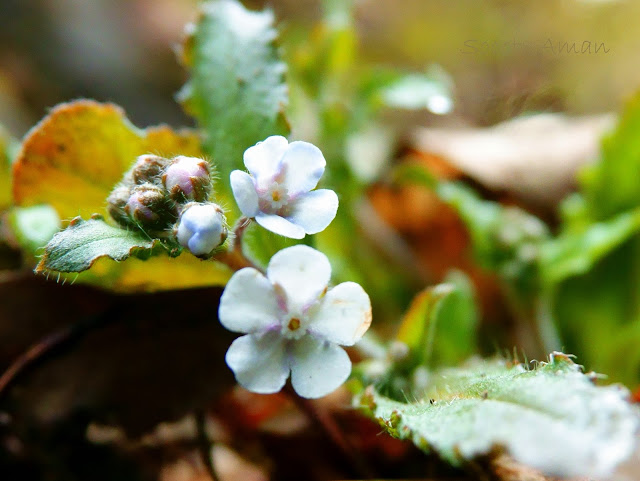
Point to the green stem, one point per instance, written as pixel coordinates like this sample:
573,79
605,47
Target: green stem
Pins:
233,256
309,240
547,331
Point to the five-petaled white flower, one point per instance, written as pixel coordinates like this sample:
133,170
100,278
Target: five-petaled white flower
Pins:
293,324
278,193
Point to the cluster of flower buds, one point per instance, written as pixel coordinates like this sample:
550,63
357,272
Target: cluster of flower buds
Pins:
169,197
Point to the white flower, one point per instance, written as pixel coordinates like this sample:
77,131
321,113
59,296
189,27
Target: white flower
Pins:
293,324
277,192
201,228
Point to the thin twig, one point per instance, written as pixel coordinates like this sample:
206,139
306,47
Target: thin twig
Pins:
47,345
325,421
205,444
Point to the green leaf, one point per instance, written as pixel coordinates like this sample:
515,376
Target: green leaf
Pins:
611,185
575,253
553,418
457,322
34,226
236,90
439,327
597,311
76,248
259,244
502,237
431,90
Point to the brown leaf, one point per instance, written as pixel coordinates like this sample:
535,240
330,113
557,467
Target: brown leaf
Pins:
535,158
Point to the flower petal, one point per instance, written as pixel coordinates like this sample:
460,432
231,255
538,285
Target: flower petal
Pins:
314,210
344,314
302,272
303,166
259,362
248,303
317,367
280,225
245,193
263,159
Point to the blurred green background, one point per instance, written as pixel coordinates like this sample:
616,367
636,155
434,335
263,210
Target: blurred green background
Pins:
121,51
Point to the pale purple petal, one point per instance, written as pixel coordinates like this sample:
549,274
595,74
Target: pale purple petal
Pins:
245,193
344,314
303,274
280,225
314,210
303,165
201,228
317,367
248,303
259,362
263,159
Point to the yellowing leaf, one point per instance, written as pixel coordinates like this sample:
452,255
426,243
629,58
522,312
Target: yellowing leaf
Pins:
155,274
73,158
77,153
5,163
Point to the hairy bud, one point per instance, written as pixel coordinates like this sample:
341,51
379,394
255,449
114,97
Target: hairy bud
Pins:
116,203
201,228
148,169
188,179
148,207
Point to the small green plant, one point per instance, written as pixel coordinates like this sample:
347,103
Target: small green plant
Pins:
278,222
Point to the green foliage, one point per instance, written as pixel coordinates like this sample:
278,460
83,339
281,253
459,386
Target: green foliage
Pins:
34,226
576,253
431,90
236,90
611,185
259,244
76,248
598,314
593,262
439,327
553,417
503,238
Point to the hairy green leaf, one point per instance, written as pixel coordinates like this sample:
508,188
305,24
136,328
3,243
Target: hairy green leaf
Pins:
76,248
553,418
236,90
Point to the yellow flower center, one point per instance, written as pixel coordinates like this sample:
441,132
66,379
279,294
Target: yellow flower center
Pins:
294,324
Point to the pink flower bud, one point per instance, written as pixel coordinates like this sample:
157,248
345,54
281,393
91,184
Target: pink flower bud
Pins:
188,178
